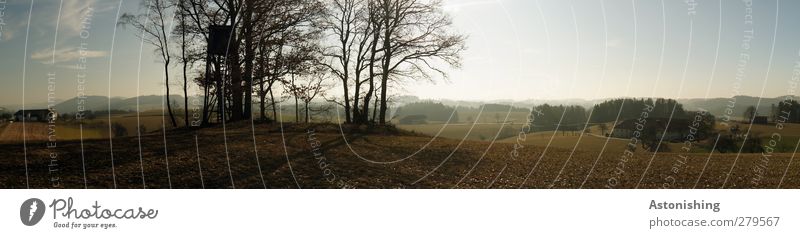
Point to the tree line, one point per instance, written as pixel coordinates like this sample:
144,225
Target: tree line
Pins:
433,111
785,111
574,118
631,108
300,49
564,118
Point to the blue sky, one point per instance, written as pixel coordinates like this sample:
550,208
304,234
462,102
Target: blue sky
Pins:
518,49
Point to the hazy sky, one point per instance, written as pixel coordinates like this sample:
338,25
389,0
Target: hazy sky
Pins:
518,49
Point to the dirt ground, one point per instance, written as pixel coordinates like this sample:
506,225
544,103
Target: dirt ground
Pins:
245,155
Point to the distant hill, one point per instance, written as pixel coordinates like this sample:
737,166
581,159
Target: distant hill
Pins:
90,103
494,107
717,106
101,103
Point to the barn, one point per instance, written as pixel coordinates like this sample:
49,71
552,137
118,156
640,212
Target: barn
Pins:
36,115
760,120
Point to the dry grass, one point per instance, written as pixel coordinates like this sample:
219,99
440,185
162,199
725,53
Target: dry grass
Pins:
150,120
39,131
438,163
491,117
458,131
29,130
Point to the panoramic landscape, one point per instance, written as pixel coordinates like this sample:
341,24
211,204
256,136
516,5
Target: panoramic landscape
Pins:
176,94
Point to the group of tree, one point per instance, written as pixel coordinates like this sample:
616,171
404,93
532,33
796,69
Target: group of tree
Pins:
502,108
787,111
632,108
433,111
4,114
750,113
563,118
733,143
658,132
299,49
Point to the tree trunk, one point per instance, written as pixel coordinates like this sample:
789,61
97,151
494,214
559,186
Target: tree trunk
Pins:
347,117
368,97
274,108
169,105
384,85
185,66
296,110
307,116
371,90
262,96
206,90
386,60
355,99
185,98
249,54
236,71
374,108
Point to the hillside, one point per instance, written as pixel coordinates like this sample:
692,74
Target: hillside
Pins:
717,106
317,156
101,103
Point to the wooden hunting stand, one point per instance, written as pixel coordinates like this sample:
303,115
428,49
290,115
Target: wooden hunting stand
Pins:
216,53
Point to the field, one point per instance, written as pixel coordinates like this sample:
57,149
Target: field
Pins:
475,115
97,128
39,131
478,132
318,156
594,139
150,121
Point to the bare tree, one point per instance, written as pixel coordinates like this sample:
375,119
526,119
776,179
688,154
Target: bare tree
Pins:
249,55
750,113
153,25
301,60
362,61
282,25
374,29
185,39
379,43
313,86
341,22
603,128
415,34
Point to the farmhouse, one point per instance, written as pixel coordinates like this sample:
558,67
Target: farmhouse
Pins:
36,115
760,120
678,128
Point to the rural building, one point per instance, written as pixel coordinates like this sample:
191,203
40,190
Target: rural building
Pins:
36,115
678,128
760,120
413,119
